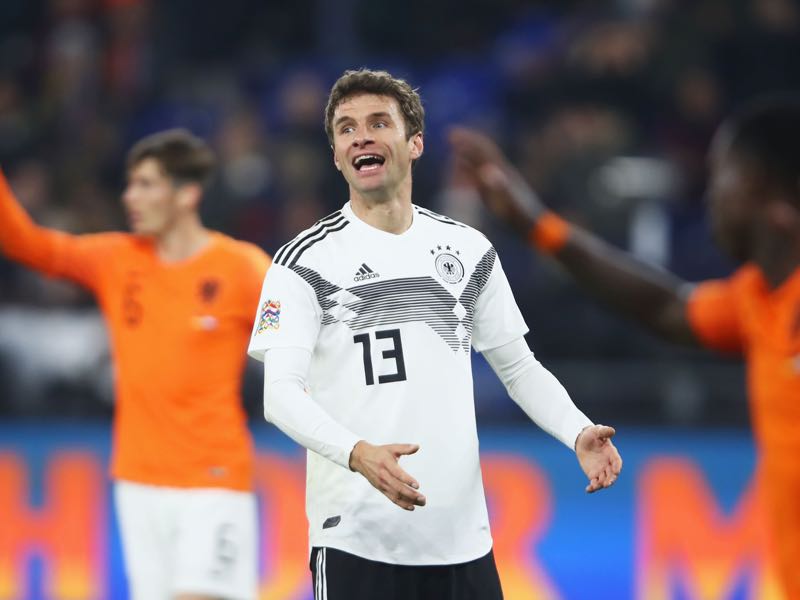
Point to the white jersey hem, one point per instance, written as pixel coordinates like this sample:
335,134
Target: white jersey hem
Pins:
456,560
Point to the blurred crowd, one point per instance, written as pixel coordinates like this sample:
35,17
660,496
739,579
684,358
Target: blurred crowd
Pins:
608,107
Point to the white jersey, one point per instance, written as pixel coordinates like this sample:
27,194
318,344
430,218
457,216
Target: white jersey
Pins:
389,320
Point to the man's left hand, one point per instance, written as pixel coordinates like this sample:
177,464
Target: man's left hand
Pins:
598,457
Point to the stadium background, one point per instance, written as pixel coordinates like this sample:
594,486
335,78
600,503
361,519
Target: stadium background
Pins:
608,108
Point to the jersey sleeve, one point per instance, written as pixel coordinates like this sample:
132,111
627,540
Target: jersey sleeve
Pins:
288,314
712,312
54,253
498,320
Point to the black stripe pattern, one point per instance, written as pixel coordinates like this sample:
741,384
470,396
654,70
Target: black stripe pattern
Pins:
290,253
323,289
437,217
404,300
469,297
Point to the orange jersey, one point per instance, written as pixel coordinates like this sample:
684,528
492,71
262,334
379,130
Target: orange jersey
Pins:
743,314
179,335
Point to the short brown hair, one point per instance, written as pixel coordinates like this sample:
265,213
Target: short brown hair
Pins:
182,155
380,83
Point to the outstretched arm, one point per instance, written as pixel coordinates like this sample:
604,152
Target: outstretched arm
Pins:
547,403
653,297
52,252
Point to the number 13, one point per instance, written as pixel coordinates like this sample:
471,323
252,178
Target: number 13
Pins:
395,352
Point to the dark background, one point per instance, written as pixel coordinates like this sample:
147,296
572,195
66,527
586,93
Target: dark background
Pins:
608,107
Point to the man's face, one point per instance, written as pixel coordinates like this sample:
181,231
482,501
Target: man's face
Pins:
370,146
734,200
150,199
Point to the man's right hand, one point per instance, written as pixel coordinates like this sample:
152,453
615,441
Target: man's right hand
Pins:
379,464
501,187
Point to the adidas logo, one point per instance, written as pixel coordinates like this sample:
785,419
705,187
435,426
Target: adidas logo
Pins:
364,273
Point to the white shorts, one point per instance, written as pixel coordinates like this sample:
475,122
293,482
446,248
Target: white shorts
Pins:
187,541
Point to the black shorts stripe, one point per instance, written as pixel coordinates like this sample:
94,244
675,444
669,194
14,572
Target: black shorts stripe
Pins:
320,571
318,577
324,573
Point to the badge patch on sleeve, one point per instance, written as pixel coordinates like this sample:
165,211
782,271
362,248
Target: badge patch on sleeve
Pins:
270,316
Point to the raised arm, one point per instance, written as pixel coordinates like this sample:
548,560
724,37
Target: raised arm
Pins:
51,252
21,240
653,297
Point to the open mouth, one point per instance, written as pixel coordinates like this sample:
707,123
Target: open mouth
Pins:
368,162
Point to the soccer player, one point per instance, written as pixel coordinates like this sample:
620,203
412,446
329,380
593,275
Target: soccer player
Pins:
365,325
178,300
754,196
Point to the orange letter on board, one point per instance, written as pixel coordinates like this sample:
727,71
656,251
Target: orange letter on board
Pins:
280,484
68,532
520,501
685,539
